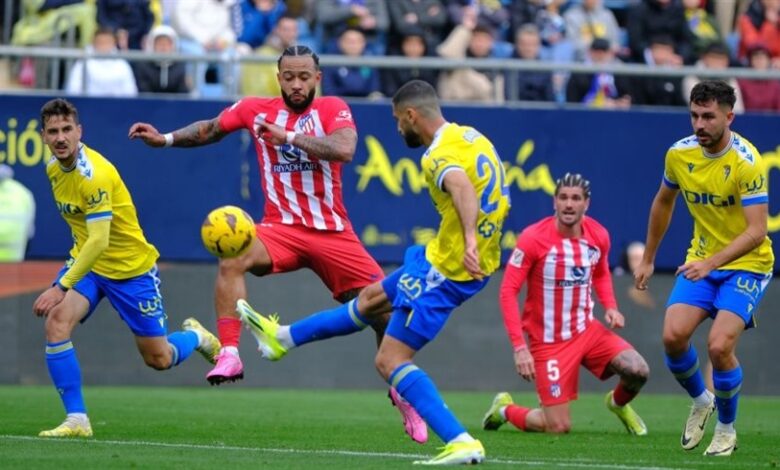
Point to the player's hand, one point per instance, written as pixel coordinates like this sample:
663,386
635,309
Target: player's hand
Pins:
524,363
147,133
642,275
695,270
614,318
270,132
48,300
471,260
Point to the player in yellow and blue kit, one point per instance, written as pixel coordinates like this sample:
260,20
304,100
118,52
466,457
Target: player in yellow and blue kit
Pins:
110,258
467,184
723,180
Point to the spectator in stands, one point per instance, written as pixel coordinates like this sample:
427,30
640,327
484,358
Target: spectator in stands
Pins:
161,76
131,20
588,20
490,12
761,23
204,26
254,20
552,29
17,216
600,90
260,79
760,94
413,46
473,40
529,85
522,12
45,20
715,57
414,17
654,18
660,91
702,25
351,81
370,16
102,77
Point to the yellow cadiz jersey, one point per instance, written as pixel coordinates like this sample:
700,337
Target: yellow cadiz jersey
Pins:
93,190
460,148
716,188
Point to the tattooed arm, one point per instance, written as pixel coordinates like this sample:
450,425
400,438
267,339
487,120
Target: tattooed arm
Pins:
338,146
193,135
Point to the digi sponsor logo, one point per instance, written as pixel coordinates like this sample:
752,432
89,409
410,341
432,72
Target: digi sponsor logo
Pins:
707,199
517,257
68,208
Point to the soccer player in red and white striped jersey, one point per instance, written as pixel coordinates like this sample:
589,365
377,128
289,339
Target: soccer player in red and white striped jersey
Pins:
301,144
563,258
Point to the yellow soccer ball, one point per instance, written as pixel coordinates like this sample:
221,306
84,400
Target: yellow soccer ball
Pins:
227,232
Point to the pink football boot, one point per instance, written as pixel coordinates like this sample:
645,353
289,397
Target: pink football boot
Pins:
414,426
228,369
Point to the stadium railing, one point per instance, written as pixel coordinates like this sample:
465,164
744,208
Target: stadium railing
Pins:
230,60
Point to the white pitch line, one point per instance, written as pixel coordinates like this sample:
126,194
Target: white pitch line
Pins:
586,463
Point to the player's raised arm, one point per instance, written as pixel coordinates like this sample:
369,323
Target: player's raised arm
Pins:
193,135
337,146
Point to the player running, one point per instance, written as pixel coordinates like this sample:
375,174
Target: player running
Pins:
729,263
110,258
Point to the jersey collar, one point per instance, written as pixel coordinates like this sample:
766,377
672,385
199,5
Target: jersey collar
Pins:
725,149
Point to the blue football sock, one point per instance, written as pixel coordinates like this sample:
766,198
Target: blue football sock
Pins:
182,344
66,375
727,385
418,389
686,370
342,320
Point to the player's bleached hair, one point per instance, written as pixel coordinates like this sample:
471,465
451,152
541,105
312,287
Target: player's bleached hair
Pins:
717,90
299,51
58,107
573,180
420,95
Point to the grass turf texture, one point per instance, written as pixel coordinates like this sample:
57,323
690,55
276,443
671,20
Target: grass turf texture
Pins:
193,428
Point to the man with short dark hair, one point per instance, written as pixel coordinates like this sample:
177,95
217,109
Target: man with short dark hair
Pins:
723,180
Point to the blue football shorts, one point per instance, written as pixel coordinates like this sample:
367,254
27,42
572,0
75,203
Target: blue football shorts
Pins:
737,291
423,298
137,300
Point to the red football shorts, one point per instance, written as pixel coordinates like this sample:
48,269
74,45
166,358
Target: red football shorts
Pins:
338,258
558,364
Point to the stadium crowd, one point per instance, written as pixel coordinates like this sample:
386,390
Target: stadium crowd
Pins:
658,33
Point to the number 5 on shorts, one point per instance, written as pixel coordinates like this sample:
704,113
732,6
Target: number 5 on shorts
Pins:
553,373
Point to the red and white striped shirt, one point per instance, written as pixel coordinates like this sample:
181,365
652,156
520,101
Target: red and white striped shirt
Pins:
300,189
560,273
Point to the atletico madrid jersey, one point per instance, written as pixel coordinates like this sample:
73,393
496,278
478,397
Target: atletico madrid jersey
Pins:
561,273
299,188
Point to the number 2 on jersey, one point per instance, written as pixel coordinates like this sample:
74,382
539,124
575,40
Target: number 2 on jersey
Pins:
484,166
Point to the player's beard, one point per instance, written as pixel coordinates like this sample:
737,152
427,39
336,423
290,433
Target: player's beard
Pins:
412,139
298,107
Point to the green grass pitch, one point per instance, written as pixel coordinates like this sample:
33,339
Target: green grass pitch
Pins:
194,428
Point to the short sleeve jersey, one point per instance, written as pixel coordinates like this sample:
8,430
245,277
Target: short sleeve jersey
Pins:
461,148
93,190
715,189
299,188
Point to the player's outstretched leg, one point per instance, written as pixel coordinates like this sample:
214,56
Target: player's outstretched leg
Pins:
495,418
626,414
263,329
414,425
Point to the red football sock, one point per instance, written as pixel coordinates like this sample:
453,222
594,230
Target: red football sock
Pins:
516,415
621,396
229,330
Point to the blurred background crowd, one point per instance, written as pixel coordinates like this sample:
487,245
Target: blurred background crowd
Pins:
664,34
